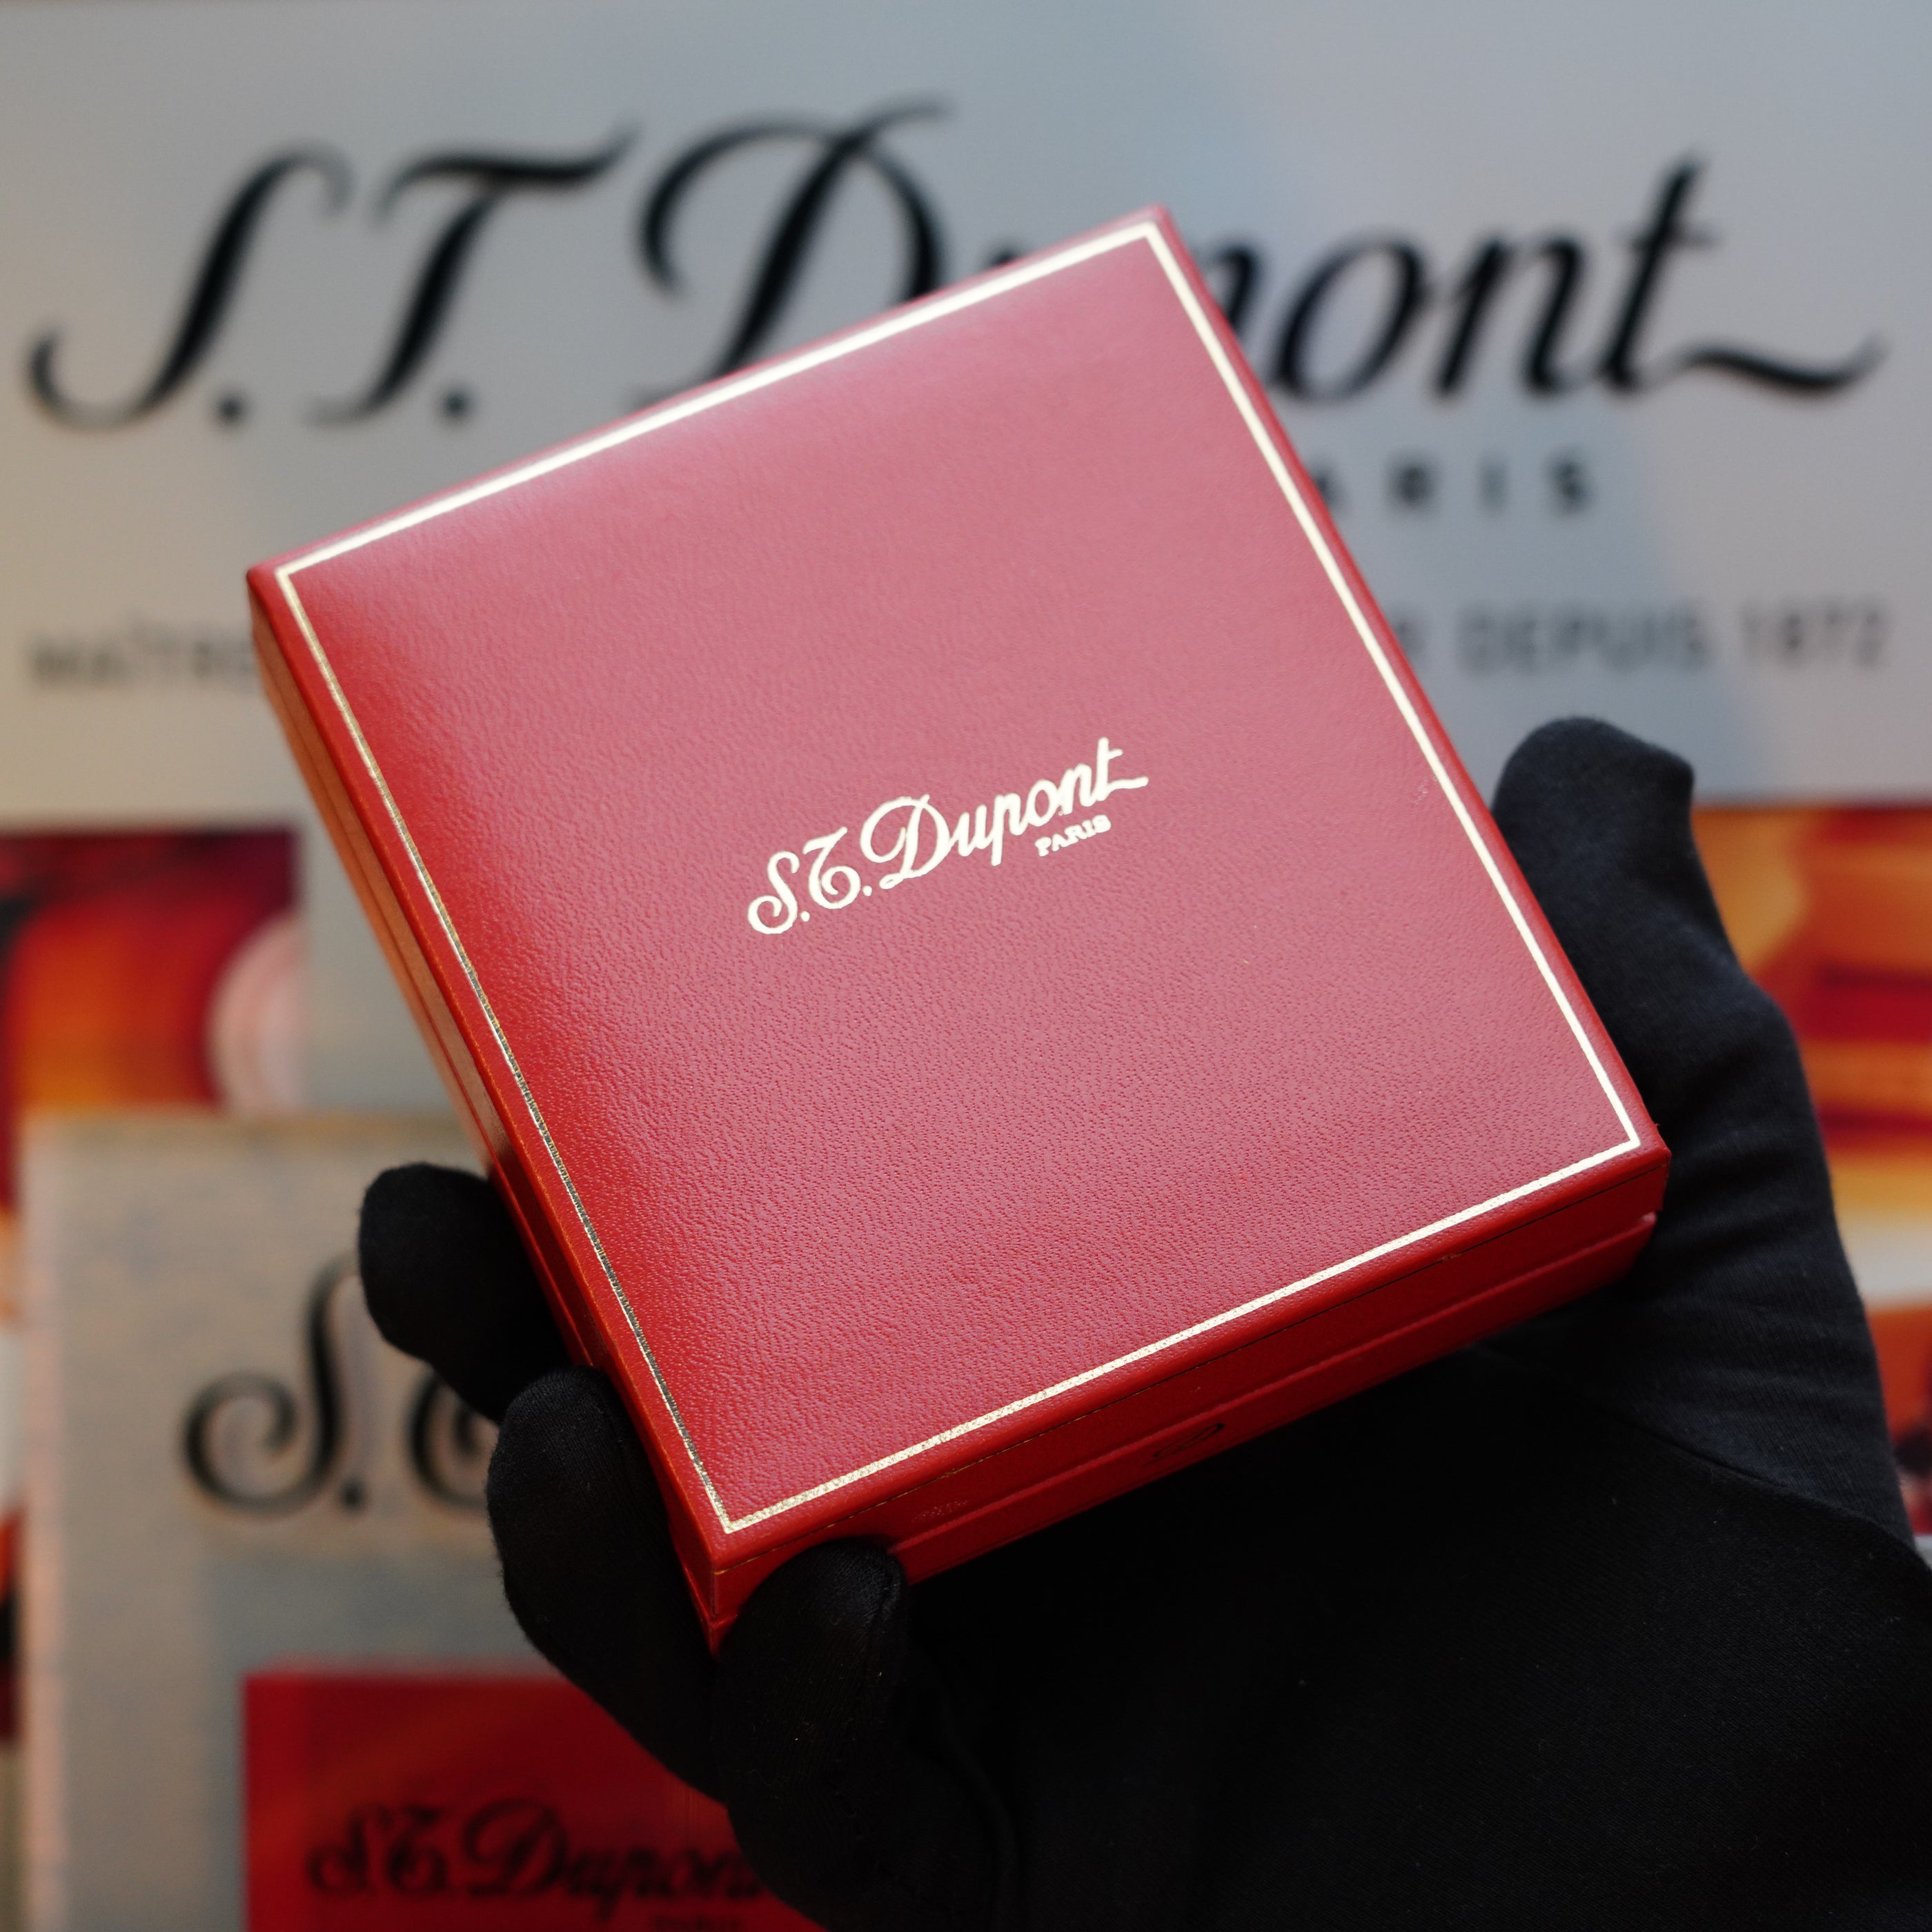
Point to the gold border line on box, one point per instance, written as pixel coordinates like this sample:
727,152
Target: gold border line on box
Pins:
933,310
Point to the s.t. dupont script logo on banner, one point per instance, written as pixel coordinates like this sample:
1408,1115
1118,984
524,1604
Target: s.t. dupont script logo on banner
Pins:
254,1447
913,836
1622,413
1355,313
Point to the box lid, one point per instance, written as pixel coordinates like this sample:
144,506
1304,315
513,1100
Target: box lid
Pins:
955,892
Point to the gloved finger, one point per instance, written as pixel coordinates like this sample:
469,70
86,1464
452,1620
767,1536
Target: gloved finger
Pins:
1739,1333
1599,822
589,1570
848,1791
447,1280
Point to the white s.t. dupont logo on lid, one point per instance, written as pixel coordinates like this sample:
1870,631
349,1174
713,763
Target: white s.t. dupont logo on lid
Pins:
912,835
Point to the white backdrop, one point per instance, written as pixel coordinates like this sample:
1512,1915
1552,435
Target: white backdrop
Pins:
1608,329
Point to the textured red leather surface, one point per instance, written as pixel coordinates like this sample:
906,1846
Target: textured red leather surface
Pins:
947,907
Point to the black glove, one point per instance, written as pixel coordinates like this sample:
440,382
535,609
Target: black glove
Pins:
1614,1621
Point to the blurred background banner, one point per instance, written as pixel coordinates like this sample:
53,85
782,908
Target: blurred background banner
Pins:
225,1467
1607,329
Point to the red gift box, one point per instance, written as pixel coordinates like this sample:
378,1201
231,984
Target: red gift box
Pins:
978,972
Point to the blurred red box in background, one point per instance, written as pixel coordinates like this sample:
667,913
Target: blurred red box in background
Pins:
476,1800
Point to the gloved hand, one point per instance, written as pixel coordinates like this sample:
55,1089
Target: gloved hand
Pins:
1612,1620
